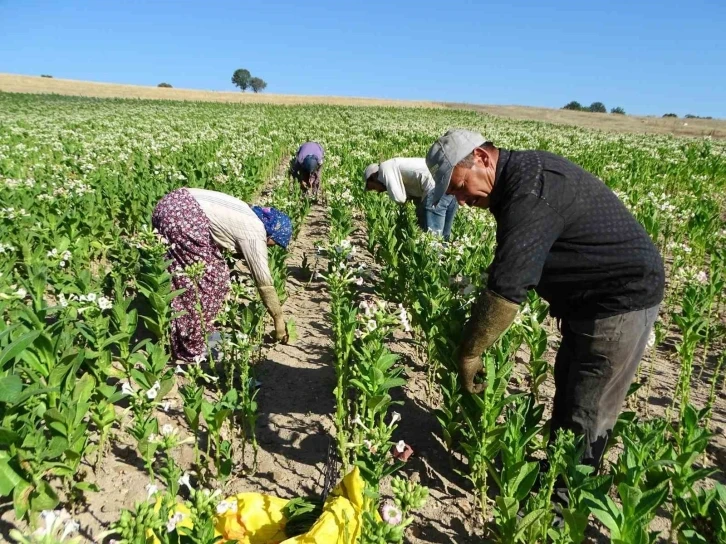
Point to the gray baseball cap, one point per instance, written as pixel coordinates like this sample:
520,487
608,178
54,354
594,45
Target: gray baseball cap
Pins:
446,153
370,170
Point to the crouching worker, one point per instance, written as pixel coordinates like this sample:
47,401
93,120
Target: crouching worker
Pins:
196,224
562,232
409,179
306,167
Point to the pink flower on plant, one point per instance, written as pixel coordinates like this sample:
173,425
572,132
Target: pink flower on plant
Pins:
391,513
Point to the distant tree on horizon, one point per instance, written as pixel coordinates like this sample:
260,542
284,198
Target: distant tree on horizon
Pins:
618,110
670,115
242,79
597,107
46,75
165,85
574,105
257,84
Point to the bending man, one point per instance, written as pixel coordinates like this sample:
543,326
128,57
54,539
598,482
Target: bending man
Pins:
562,232
410,179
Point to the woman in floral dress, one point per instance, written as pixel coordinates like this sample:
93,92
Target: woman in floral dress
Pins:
197,223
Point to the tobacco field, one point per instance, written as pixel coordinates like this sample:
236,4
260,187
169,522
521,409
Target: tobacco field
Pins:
104,437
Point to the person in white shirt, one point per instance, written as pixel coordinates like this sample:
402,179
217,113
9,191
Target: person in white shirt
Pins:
409,179
197,224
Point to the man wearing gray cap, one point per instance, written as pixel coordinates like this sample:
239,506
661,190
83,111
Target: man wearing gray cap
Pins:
409,179
562,232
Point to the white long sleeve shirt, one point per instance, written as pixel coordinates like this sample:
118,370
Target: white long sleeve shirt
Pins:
405,178
234,226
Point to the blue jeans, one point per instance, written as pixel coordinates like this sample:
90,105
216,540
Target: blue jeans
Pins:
438,219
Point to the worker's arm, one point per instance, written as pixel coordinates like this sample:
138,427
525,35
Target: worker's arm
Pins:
255,255
526,229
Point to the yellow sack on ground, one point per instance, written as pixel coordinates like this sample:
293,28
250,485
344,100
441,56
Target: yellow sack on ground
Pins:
259,518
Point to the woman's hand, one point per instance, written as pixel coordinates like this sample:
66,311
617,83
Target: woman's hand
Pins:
281,331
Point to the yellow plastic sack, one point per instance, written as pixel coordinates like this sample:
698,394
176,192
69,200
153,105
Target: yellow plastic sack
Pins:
259,518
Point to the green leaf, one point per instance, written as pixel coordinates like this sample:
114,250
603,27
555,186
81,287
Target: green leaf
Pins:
165,386
8,437
525,480
13,349
508,506
291,331
43,498
31,392
86,486
56,447
83,389
378,403
11,387
527,521
114,339
9,479
650,501
392,382
21,498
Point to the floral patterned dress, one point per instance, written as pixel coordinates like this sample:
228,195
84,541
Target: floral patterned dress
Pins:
179,218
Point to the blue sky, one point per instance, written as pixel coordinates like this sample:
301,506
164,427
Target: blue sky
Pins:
649,57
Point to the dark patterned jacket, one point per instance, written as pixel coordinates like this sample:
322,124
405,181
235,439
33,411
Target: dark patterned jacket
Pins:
564,233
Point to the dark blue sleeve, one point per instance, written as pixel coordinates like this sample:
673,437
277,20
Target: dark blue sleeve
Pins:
527,227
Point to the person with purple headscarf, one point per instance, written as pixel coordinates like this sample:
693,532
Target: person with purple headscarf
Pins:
306,166
197,224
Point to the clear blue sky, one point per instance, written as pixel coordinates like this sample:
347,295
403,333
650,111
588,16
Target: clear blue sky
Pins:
650,57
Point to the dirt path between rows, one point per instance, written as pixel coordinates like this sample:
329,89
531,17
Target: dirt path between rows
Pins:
296,396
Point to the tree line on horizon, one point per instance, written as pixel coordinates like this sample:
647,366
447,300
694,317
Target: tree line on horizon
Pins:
599,107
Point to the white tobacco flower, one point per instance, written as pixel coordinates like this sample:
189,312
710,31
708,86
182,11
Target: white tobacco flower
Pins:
49,518
702,277
151,393
173,521
105,303
52,523
21,293
395,418
168,429
403,317
126,389
400,446
91,297
184,480
651,339
71,527
166,405
151,490
227,506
